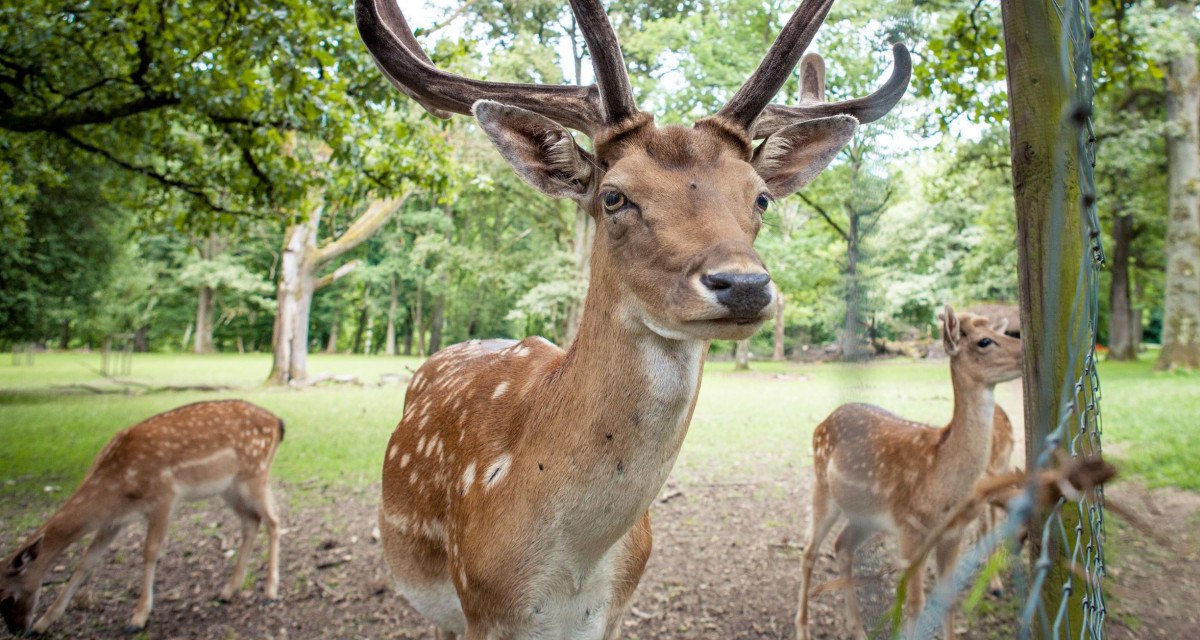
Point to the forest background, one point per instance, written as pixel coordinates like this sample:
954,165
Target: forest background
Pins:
200,175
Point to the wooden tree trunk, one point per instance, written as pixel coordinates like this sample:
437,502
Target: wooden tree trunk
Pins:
1049,254
850,350
141,339
302,260
289,291
209,248
393,306
436,321
363,312
331,345
419,319
407,330
778,353
1181,313
369,337
1124,329
203,338
741,361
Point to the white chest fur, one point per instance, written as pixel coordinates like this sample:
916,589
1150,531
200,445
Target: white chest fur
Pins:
573,604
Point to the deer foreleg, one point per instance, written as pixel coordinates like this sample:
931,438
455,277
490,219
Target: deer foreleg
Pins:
156,536
95,551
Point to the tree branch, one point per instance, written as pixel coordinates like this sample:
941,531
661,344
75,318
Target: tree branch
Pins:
337,274
881,206
444,23
377,213
56,122
816,207
224,119
191,189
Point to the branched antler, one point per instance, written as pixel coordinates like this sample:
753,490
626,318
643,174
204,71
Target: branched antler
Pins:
592,108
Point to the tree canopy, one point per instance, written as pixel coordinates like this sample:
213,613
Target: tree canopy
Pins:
132,132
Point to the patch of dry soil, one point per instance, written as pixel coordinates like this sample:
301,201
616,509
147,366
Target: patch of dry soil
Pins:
725,565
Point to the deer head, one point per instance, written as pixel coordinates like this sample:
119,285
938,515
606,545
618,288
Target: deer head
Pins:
979,352
20,586
678,208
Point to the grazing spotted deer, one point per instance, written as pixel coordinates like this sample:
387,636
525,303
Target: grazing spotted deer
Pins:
881,472
197,451
516,487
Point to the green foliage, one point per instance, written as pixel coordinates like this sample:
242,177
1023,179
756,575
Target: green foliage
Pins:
53,273
184,118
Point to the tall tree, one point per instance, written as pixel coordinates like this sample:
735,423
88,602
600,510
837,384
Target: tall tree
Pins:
1181,315
304,258
1050,257
853,219
209,247
188,96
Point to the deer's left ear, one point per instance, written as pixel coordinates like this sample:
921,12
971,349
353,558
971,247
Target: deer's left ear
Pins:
543,153
791,157
951,331
25,557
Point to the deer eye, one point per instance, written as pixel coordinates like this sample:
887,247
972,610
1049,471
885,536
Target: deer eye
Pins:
762,202
613,200
985,342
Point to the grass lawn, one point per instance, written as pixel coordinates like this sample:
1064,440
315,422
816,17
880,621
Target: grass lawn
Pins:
1151,422
745,425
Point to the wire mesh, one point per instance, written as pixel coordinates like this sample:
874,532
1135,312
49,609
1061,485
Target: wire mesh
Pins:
1072,533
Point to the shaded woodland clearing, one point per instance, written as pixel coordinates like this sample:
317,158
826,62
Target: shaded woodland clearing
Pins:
728,539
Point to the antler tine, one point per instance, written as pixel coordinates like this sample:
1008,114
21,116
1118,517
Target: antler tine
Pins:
397,27
612,78
386,33
777,65
812,78
867,109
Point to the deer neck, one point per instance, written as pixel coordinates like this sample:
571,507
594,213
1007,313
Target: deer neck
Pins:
963,451
625,395
70,523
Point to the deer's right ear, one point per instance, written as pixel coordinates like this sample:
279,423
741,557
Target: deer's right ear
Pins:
793,156
21,561
541,151
951,331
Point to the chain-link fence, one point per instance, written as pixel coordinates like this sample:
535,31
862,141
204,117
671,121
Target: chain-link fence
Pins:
1061,592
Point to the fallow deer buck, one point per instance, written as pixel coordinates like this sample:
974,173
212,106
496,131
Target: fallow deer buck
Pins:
221,448
884,473
516,487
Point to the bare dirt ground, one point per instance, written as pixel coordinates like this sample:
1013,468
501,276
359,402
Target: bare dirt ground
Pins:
725,565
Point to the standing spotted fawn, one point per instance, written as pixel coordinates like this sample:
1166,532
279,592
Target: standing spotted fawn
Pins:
221,448
881,472
516,487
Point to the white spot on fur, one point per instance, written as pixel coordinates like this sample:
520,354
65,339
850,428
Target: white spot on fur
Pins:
501,389
468,478
404,460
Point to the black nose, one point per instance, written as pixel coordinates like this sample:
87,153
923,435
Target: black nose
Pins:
744,294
